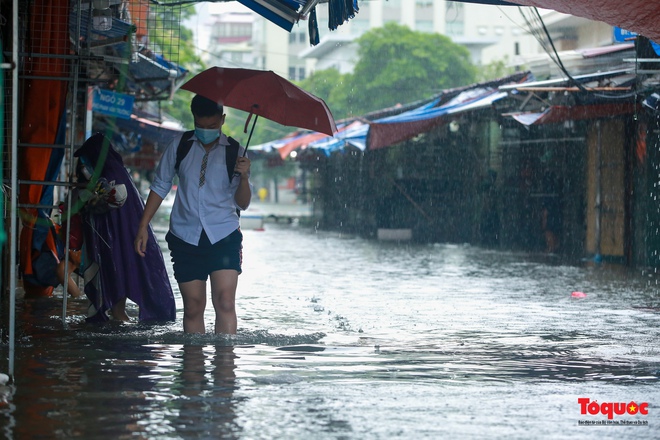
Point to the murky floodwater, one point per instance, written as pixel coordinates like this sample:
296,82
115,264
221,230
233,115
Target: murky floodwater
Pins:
344,338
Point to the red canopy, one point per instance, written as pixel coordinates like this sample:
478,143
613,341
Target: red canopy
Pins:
301,141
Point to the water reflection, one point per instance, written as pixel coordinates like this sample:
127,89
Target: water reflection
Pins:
206,384
109,384
347,338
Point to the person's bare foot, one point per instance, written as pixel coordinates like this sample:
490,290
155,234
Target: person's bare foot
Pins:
119,311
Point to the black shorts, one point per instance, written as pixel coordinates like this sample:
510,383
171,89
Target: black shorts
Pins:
198,262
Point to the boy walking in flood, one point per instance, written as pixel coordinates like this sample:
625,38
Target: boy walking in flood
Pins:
204,238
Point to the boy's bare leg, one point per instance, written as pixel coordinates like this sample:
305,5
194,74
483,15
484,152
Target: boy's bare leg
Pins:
223,294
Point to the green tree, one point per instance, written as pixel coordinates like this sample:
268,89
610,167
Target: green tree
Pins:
398,65
329,85
169,37
494,70
395,65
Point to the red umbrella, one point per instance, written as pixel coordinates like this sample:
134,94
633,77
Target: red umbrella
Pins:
263,93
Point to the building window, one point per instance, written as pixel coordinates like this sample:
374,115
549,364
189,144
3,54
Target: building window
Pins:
454,28
424,25
301,73
455,11
292,73
455,18
392,11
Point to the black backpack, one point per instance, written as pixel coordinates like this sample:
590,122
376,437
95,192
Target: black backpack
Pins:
185,144
231,154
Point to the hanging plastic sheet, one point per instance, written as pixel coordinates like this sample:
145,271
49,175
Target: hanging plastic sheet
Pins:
313,28
340,11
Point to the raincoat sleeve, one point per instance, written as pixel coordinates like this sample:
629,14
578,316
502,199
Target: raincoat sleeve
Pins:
165,173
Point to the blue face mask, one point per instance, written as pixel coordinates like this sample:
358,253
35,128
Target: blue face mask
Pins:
207,135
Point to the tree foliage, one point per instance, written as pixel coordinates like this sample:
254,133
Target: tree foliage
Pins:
395,66
169,37
331,86
494,70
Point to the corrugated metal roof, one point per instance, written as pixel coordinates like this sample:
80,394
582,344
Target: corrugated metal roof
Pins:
556,113
564,80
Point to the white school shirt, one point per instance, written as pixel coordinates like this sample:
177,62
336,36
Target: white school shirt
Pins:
211,207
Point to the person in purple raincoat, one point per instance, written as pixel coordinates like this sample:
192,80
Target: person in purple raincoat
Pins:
112,271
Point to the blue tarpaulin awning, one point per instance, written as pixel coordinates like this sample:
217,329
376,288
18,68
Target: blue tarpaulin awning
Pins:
391,130
156,132
285,13
355,135
154,76
394,129
272,146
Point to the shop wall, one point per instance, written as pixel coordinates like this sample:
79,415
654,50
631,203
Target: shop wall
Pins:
606,171
543,175
432,184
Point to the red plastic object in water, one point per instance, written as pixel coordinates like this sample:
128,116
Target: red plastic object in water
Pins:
579,295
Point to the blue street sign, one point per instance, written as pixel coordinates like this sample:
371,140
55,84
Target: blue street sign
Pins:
112,103
622,35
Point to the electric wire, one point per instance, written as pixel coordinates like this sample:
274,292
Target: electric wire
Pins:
535,24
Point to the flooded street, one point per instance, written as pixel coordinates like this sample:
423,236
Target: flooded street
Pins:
346,338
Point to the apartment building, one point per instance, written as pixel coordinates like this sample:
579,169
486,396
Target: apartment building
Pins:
490,33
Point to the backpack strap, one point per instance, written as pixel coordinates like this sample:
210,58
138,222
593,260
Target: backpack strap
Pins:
231,154
185,144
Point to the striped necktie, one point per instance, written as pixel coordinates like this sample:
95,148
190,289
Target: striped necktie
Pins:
202,172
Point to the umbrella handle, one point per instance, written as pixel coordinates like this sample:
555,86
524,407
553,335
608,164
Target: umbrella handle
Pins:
251,131
249,137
